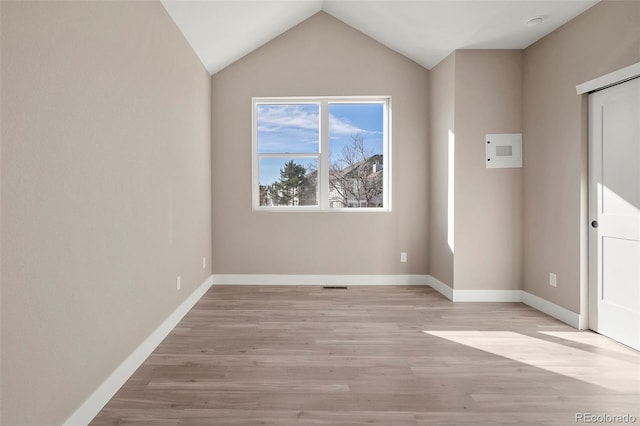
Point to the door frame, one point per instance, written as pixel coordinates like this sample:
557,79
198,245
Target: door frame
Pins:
588,297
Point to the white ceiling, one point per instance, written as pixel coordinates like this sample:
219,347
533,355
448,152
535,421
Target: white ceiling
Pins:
426,31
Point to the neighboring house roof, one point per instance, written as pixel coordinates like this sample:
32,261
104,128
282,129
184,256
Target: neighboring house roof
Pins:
374,159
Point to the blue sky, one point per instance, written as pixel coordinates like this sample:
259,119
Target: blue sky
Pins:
294,128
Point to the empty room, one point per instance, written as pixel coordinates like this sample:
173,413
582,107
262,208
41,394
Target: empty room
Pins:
307,212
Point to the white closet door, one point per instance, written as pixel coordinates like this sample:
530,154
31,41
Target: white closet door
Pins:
614,279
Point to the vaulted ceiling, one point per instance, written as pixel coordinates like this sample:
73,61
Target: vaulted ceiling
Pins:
426,31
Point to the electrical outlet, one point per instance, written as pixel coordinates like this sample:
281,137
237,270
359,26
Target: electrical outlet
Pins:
403,257
552,280
178,285
204,262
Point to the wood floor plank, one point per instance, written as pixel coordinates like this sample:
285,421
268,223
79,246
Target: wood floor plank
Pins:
389,355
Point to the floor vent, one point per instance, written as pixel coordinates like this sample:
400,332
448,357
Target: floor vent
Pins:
334,287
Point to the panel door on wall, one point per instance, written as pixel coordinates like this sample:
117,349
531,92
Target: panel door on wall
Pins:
614,278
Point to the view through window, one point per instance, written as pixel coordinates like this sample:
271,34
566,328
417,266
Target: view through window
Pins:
321,154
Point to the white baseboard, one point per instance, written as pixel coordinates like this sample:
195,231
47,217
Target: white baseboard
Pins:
551,309
487,295
440,287
309,279
474,295
558,312
92,406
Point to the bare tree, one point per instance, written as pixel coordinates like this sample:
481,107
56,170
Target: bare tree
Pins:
356,175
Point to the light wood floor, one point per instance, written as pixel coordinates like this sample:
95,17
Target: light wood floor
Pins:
373,355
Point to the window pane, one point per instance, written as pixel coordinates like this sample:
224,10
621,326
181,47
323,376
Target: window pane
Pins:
288,181
288,128
356,147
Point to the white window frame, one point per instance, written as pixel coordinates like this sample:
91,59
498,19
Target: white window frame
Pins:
323,154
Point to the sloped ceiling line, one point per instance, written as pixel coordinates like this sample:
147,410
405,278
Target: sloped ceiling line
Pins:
426,31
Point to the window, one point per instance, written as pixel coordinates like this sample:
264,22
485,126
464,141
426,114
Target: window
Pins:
329,154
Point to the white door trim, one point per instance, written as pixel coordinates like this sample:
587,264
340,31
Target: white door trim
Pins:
613,78
616,77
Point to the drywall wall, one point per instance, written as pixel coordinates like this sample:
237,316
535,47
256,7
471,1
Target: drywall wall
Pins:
476,222
320,57
105,193
441,192
603,39
488,202
1,91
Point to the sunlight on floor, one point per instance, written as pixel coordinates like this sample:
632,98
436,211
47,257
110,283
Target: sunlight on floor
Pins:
615,374
593,339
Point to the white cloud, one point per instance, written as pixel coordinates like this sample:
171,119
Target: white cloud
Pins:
278,118
339,127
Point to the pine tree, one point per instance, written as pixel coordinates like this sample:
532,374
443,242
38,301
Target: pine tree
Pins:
287,190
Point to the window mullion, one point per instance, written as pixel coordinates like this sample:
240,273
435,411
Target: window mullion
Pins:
323,165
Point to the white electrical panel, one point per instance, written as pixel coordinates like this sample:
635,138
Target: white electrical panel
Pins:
504,150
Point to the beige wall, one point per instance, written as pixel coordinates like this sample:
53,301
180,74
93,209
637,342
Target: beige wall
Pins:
441,117
488,202
105,193
321,56
1,121
475,92
601,40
